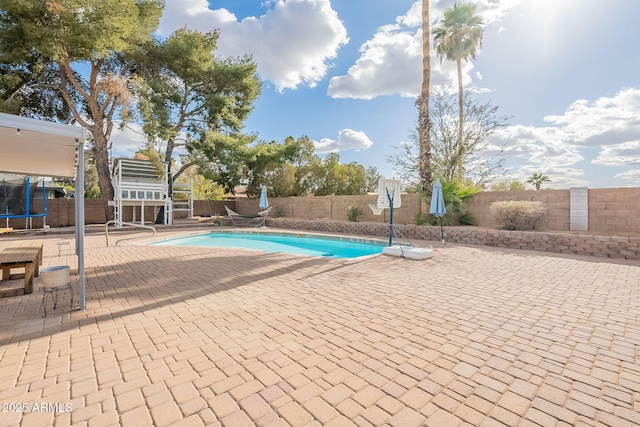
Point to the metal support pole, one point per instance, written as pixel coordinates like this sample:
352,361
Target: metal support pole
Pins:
390,198
79,199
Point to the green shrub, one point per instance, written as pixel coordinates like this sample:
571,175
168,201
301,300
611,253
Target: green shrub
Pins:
518,214
454,195
277,212
353,212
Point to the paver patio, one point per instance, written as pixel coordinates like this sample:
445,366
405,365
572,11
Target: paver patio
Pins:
223,337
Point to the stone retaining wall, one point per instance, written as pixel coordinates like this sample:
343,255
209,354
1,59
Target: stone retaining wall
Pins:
621,247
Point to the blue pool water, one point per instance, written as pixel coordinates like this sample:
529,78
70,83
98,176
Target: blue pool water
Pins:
301,244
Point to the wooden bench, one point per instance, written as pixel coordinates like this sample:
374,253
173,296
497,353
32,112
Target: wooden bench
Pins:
27,255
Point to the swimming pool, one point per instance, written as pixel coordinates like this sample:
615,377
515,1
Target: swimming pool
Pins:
300,244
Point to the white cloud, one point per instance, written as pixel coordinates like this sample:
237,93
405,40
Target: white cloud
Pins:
391,61
561,177
491,11
292,43
633,175
625,154
605,121
347,140
611,123
540,145
125,142
545,150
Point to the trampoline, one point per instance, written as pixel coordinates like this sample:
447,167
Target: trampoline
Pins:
16,200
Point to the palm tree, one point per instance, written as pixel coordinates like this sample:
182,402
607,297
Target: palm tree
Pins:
424,123
537,179
456,38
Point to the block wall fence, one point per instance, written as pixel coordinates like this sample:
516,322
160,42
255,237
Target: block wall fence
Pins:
611,211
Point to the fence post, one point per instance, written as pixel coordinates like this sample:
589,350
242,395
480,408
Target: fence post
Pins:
579,209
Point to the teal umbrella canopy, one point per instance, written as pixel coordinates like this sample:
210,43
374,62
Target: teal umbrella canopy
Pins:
437,207
264,203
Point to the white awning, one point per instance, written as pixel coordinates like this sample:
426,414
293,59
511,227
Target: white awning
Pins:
41,148
37,147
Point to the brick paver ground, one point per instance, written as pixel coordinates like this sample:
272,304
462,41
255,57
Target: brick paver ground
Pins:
209,337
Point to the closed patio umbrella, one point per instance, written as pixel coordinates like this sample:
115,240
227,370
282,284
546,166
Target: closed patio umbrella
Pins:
437,207
264,203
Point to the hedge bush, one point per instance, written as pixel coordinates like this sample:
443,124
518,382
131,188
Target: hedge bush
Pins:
353,212
518,214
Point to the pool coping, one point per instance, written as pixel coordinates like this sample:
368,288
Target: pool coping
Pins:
151,241
162,235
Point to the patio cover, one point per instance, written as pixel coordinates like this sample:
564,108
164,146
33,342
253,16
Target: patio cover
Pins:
40,148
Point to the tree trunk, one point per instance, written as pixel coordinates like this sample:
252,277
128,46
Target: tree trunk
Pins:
170,178
460,150
424,123
101,155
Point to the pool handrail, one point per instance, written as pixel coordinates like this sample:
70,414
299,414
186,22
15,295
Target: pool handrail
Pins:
131,224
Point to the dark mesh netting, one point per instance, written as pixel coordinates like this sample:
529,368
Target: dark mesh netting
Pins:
13,196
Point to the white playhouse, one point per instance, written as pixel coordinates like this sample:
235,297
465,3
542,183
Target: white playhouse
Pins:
138,184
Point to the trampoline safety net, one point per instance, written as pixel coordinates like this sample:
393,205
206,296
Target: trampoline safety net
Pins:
16,198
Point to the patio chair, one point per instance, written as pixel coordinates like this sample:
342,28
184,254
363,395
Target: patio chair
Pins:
257,220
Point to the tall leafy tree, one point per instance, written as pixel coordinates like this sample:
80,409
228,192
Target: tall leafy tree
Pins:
512,185
424,122
458,38
305,163
263,156
298,176
72,60
303,173
338,179
203,188
279,179
471,157
481,161
190,97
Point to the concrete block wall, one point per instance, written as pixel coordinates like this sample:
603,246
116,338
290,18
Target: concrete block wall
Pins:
93,211
557,202
61,213
614,210
36,222
611,210
335,207
212,207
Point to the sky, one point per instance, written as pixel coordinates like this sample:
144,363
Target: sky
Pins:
346,73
